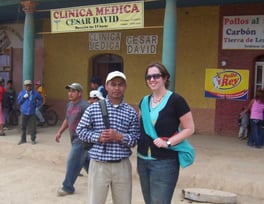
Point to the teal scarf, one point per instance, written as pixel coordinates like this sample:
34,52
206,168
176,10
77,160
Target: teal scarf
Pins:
185,150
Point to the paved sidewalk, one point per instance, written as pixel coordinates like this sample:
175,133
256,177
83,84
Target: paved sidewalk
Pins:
32,174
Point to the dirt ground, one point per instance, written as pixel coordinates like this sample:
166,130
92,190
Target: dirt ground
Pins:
31,174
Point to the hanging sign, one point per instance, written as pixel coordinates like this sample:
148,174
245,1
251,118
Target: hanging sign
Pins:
226,84
243,32
127,15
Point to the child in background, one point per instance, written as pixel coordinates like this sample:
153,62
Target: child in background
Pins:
243,121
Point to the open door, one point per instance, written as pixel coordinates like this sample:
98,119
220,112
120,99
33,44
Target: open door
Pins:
259,76
104,63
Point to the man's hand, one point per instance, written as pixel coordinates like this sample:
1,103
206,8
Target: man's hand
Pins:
26,95
57,137
110,135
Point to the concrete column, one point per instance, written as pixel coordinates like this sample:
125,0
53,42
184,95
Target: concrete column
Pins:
29,39
169,40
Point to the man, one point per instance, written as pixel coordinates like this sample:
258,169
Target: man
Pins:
96,84
76,158
110,165
40,89
95,96
28,100
8,102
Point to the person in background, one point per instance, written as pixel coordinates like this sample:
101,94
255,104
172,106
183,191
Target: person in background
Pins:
256,108
110,166
94,96
8,101
39,87
96,84
162,148
243,119
28,99
77,156
2,119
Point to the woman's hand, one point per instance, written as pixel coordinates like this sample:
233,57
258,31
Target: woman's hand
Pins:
160,143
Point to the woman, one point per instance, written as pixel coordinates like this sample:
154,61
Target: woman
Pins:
162,148
256,108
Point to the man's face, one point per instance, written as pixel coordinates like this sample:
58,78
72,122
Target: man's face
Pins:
94,86
9,85
74,95
28,87
116,88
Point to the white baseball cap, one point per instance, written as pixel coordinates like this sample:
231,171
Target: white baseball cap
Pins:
115,74
96,94
27,82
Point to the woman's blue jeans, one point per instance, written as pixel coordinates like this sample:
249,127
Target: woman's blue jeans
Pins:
158,179
256,136
75,163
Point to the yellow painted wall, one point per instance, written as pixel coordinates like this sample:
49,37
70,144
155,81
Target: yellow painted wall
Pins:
67,59
197,47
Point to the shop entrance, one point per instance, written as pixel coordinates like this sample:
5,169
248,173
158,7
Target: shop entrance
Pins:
5,64
105,63
259,75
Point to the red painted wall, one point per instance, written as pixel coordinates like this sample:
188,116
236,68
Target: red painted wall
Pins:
227,111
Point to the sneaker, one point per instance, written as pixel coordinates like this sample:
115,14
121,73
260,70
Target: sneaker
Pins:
62,192
5,128
21,142
2,134
33,142
41,124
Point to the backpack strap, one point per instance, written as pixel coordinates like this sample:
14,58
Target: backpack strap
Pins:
102,104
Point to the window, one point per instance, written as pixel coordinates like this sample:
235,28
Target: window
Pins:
259,76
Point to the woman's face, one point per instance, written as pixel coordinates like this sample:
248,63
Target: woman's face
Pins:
154,79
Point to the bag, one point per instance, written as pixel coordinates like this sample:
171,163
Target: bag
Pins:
104,113
87,145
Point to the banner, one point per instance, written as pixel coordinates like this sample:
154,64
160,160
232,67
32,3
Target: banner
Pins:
243,32
226,84
127,15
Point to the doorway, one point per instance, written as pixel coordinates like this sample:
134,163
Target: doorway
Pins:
259,75
104,63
